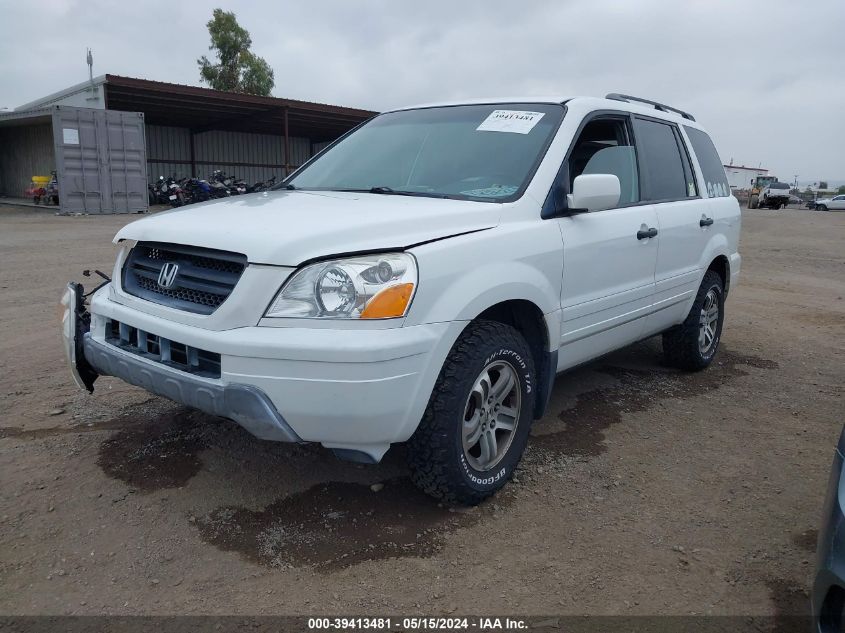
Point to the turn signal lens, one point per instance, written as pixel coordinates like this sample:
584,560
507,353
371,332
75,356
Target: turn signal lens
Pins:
388,303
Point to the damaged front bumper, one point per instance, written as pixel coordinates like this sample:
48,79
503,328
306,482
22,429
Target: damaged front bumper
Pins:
245,404
75,323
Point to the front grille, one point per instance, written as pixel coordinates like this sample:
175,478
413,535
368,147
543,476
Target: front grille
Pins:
162,350
204,279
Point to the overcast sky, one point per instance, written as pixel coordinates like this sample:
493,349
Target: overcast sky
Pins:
764,76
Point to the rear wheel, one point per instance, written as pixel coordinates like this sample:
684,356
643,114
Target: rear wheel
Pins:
693,344
476,426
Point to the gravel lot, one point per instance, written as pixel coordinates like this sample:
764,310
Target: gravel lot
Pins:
643,491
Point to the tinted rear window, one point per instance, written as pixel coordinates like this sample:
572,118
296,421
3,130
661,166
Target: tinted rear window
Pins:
661,158
715,180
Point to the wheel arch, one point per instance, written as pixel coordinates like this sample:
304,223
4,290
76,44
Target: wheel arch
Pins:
715,256
528,319
721,265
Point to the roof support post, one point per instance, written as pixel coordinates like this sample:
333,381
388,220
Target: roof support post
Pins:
287,144
193,156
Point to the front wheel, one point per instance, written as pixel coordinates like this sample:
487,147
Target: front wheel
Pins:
693,344
821,207
476,425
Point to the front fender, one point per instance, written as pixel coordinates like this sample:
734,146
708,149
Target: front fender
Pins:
463,276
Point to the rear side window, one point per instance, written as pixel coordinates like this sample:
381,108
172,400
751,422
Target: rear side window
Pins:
663,168
716,182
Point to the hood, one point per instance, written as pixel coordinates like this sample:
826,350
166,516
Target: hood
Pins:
286,228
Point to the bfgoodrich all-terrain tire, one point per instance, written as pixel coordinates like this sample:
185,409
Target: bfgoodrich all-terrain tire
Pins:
693,344
475,428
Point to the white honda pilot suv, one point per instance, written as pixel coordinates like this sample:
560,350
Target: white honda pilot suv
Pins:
424,279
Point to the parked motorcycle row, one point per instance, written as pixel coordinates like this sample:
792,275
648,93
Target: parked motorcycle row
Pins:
177,193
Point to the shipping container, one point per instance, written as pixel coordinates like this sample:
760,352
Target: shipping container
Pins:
99,157
100,160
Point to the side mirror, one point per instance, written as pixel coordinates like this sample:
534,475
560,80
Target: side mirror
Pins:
594,192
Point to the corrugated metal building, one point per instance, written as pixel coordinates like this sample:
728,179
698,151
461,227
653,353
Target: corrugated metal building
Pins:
253,157
189,131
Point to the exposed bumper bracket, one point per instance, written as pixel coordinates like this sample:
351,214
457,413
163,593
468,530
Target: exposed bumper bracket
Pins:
247,405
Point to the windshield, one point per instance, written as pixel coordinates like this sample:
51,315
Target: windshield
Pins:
474,152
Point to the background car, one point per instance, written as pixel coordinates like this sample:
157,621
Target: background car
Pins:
834,203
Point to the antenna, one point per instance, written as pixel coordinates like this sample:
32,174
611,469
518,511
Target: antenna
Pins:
90,59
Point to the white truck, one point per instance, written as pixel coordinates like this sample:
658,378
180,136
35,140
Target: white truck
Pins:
775,195
424,279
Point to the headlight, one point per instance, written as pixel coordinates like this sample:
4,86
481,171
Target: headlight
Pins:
377,286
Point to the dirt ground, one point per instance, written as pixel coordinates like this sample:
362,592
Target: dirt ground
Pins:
643,491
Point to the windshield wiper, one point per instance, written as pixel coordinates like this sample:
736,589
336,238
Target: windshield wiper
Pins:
389,191
383,189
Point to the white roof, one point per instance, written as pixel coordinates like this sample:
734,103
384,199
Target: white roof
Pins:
596,102
485,101
85,85
743,167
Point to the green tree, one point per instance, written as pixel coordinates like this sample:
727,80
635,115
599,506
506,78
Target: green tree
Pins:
841,190
237,69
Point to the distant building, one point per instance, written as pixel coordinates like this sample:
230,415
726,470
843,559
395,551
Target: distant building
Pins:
108,137
740,177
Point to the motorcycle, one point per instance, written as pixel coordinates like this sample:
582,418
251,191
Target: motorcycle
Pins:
234,186
166,191
262,185
196,190
218,188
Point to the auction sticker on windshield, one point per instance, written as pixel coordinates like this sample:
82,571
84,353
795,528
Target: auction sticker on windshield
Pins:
516,121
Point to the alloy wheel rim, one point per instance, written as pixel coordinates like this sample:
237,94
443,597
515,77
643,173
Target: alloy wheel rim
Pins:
708,321
491,415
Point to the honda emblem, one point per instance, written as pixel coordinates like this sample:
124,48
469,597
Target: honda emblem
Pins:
167,275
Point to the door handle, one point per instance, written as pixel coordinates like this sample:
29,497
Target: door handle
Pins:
705,221
642,235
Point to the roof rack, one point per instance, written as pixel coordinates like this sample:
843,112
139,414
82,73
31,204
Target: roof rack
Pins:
658,106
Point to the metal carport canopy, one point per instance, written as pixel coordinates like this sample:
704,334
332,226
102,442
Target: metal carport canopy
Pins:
203,109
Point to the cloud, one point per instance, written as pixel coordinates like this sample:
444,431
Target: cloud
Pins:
764,76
